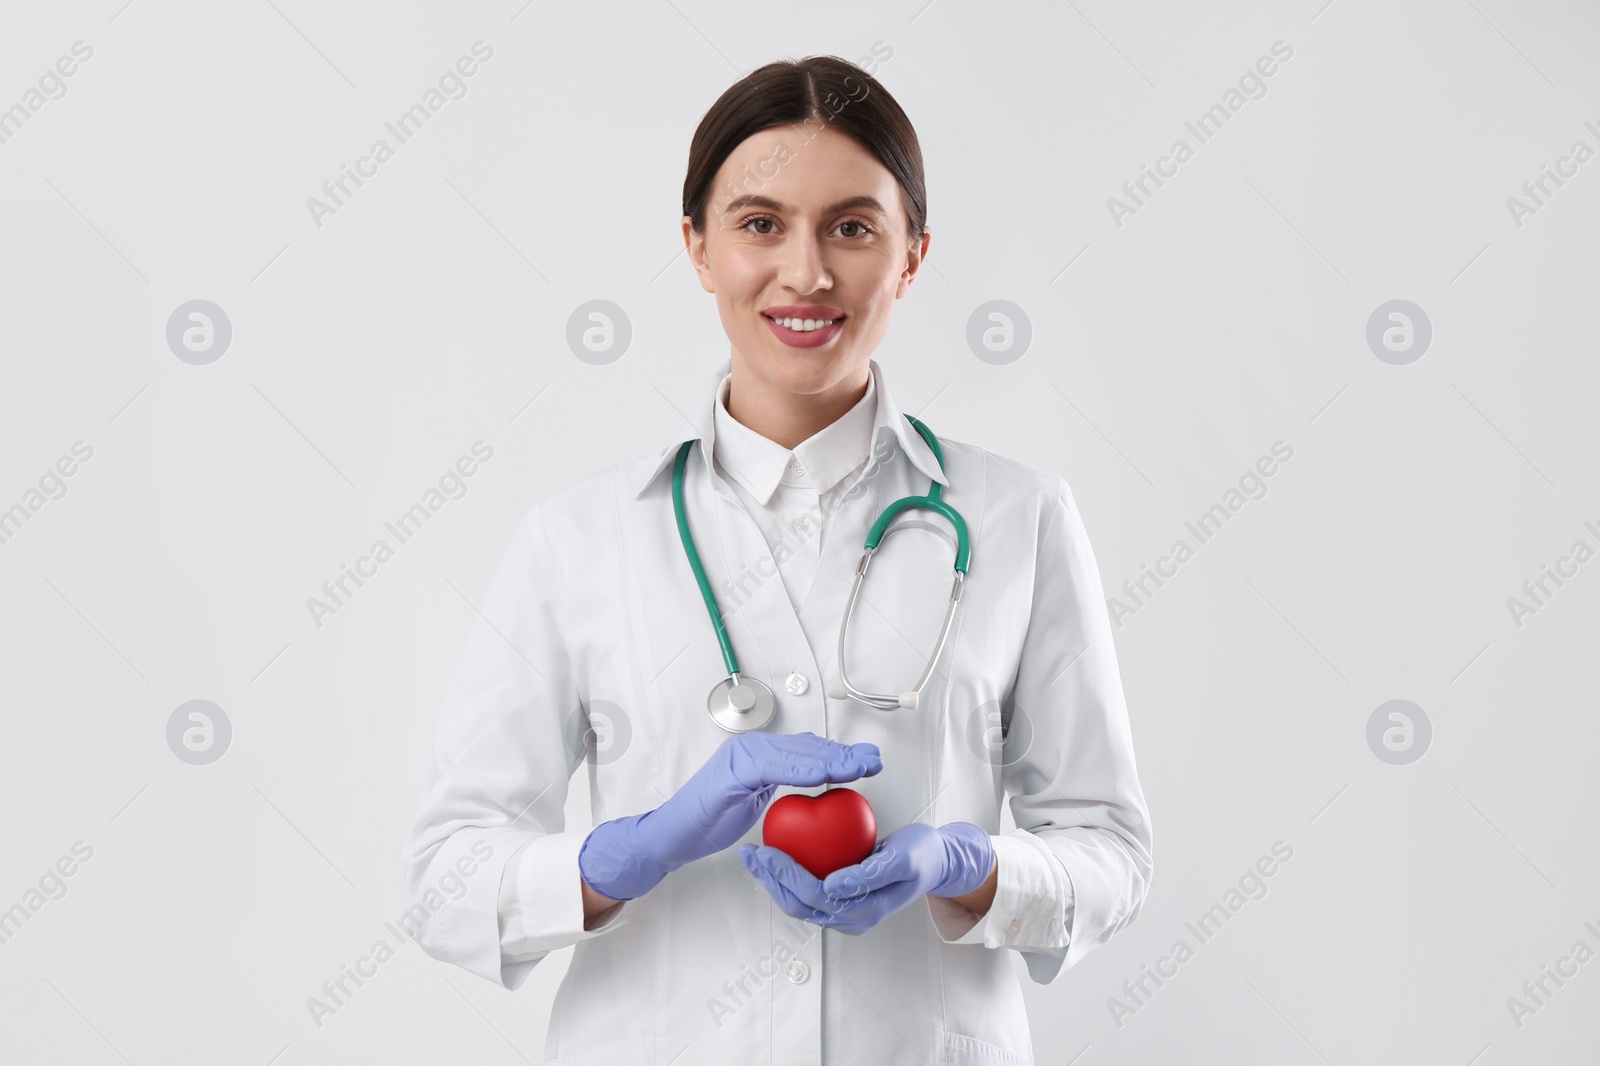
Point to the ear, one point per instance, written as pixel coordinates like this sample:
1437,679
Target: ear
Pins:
696,244
915,254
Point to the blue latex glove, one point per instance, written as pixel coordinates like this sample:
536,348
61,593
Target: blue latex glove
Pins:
947,860
626,857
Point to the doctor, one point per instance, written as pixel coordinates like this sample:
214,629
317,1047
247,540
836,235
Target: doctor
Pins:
804,211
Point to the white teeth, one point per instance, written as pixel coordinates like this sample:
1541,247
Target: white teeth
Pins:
805,325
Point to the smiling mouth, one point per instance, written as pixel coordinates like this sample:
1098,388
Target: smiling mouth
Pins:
806,332
804,325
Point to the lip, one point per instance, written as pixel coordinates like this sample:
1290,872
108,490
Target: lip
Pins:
802,311
797,339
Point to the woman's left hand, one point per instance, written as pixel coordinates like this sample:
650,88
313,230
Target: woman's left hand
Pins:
948,860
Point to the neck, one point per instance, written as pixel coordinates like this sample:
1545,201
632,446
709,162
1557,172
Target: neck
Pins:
787,418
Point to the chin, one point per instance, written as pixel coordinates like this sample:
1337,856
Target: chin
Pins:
807,371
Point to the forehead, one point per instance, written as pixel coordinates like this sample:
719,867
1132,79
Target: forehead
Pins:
804,166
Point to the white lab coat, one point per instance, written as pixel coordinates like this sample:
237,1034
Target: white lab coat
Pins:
594,621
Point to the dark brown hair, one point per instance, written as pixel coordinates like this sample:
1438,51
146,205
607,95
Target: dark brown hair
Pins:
823,90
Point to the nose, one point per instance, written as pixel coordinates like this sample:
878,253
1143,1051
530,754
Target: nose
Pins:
805,268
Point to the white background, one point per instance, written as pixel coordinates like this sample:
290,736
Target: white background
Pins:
1168,354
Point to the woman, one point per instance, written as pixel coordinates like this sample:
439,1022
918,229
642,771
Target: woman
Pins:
804,211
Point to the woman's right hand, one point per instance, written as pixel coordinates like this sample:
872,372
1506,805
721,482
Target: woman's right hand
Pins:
626,857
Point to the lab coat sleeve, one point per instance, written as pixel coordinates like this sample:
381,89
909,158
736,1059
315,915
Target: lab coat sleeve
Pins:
1078,867
508,738
527,892
1032,904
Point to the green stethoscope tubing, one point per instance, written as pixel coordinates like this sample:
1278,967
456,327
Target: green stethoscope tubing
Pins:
933,501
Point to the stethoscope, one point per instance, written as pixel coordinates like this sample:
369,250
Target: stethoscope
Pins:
742,704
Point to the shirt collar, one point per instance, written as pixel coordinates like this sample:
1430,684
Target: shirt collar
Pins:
887,420
824,458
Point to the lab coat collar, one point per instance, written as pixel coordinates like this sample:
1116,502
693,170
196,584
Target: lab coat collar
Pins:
888,420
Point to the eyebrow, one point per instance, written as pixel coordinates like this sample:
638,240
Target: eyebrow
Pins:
769,204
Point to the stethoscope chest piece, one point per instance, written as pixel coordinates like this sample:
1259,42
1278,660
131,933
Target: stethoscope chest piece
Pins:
741,705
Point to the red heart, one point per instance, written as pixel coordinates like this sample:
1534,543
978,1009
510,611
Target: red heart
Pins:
822,833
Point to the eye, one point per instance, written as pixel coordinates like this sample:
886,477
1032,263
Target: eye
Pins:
862,227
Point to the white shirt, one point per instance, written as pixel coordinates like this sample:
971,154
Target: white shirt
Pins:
792,494
594,621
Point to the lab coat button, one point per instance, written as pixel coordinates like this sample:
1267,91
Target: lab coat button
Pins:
1016,924
798,684
798,971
